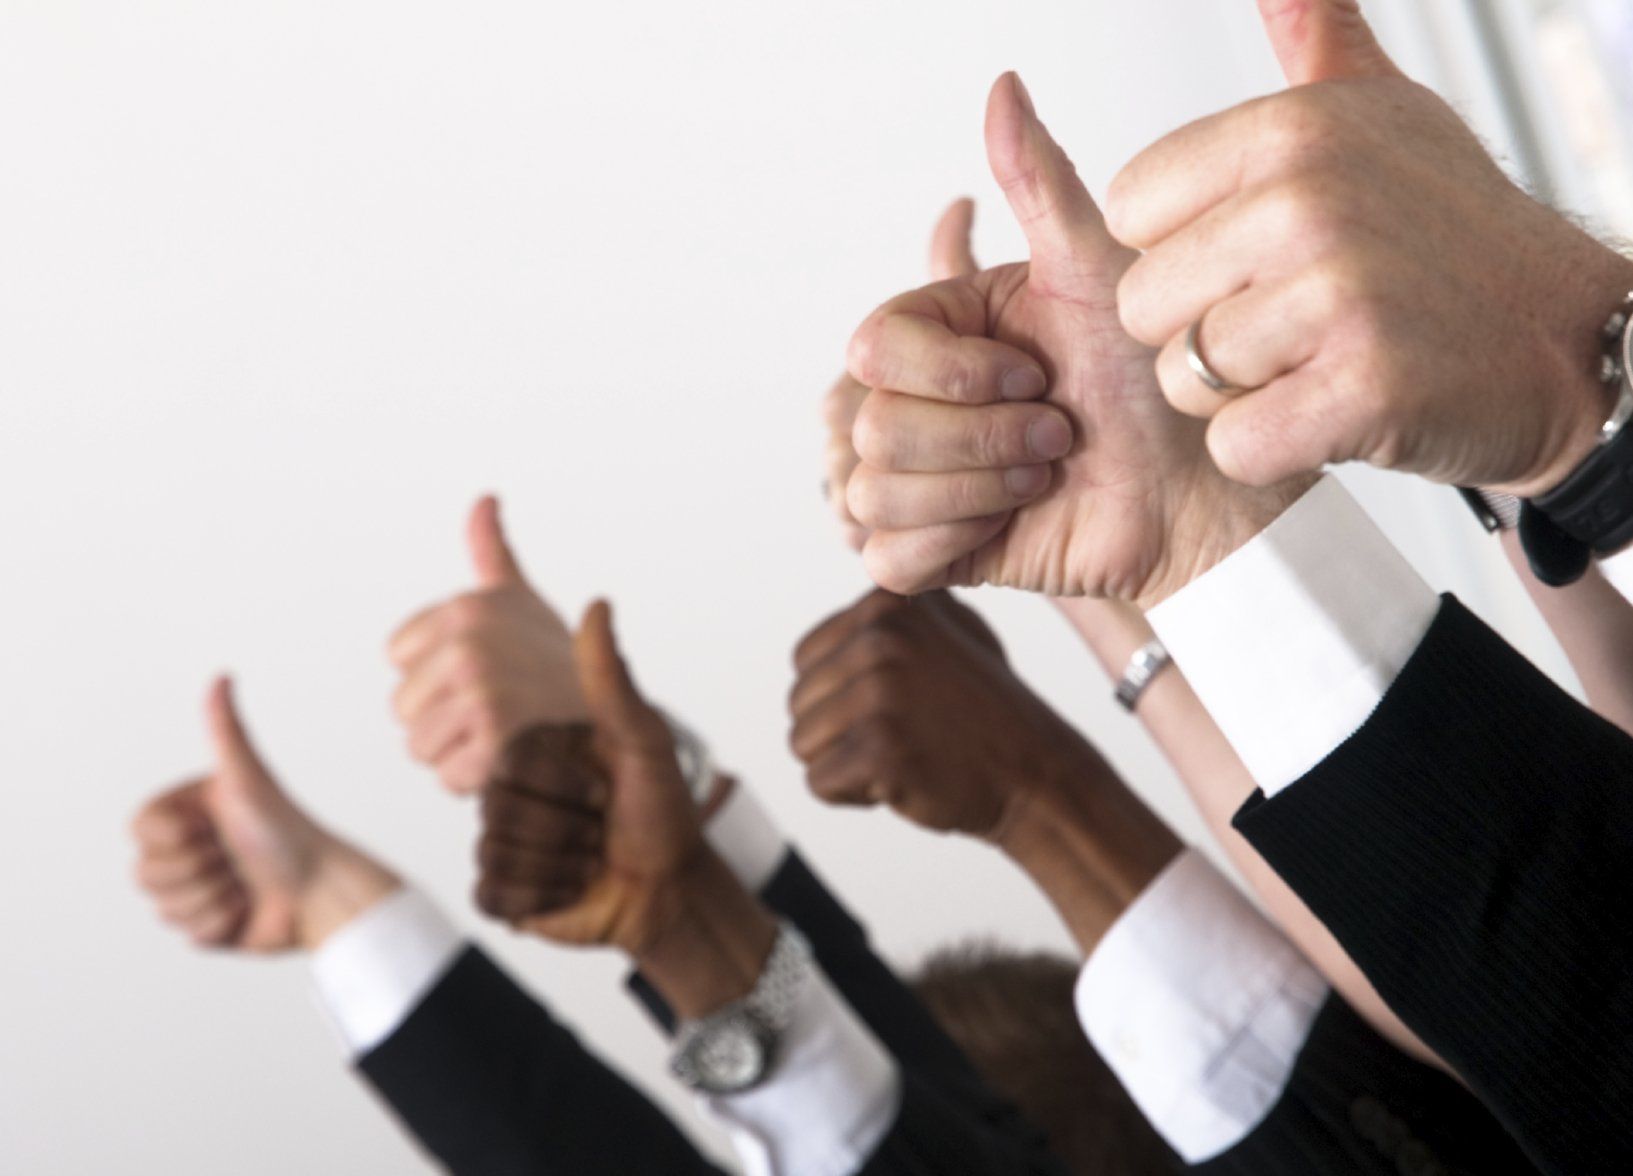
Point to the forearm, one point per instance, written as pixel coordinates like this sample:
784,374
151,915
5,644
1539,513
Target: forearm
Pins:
344,884
1593,623
1090,851
1218,784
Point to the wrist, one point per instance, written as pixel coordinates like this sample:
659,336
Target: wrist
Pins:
707,939
1090,845
343,883
1570,353
1215,519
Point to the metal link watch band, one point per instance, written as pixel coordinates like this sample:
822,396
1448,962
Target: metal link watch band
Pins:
734,1048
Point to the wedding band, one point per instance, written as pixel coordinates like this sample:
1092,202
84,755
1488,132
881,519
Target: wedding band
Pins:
1205,373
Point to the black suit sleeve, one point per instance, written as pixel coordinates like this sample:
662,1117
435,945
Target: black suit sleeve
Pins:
492,1085
949,1121
1356,1106
1472,848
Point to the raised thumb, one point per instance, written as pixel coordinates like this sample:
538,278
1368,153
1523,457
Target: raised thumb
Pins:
950,253
491,556
1323,41
237,762
1064,230
616,707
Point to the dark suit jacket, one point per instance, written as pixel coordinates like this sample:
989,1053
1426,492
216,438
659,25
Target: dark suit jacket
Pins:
491,1084
1472,848
1356,1104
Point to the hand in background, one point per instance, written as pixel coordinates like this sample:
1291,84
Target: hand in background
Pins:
912,704
950,257
1362,266
586,826
233,862
591,836
957,481
484,665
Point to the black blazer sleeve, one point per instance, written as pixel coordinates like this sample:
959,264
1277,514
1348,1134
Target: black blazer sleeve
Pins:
492,1085
949,1121
1356,1106
1472,848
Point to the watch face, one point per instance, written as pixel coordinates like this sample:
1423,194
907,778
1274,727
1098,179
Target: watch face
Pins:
731,1055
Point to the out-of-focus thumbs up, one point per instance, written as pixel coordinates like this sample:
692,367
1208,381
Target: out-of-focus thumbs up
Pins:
950,253
238,766
622,718
496,565
1323,41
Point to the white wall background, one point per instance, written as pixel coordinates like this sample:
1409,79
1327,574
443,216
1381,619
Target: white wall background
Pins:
284,286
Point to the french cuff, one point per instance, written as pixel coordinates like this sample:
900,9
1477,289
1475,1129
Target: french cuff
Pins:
1200,1007
1618,569
746,840
373,972
828,1102
1293,639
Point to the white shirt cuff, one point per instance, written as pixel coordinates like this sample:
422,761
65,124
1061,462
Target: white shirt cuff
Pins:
373,972
745,839
828,1103
1292,640
1200,1007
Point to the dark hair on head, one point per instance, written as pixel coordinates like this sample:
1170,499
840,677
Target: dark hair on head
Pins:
1013,1015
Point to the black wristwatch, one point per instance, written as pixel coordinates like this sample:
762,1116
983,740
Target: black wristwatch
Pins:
1591,512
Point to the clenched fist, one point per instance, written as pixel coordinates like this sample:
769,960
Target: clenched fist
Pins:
912,703
483,666
1015,433
233,862
950,257
1365,278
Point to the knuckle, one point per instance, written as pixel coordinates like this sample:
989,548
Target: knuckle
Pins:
956,380
1244,448
862,353
1299,123
1134,308
865,498
876,442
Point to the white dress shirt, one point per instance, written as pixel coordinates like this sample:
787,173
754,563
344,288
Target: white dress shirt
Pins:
1292,640
1200,1007
822,1111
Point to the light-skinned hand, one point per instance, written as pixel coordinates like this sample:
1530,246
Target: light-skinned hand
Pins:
1361,264
484,665
233,862
1015,434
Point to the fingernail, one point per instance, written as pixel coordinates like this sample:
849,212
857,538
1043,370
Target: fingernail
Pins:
1026,481
1049,437
1024,383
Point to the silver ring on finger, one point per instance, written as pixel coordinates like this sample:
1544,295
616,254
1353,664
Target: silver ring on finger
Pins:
1203,369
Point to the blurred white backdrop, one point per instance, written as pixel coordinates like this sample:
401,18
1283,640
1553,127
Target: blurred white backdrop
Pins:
283,287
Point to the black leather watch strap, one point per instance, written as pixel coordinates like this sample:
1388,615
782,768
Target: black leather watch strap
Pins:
1557,559
1595,504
